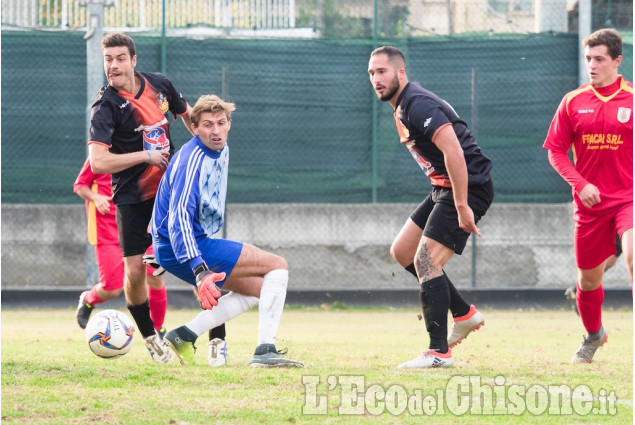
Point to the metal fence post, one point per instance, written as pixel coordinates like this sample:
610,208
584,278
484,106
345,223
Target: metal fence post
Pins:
94,81
585,21
164,59
474,128
374,119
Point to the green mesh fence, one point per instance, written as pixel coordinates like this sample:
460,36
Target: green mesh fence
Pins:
302,131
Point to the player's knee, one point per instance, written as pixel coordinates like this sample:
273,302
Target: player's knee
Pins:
116,292
279,263
589,282
155,282
393,252
400,255
628,257
109,294
136,273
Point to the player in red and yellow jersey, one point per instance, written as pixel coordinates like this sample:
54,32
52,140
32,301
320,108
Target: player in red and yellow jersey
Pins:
596,122
102,233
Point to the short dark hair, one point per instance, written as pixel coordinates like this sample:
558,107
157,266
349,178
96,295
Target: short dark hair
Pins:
117,39
391,52
606,37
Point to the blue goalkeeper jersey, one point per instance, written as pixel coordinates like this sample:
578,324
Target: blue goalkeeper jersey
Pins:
190,202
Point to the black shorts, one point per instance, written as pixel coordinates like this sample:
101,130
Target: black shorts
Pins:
438,218
132,223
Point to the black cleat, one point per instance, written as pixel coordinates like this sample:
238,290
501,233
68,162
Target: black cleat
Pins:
84,310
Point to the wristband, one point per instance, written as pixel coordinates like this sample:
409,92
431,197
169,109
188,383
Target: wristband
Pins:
199,269
149,157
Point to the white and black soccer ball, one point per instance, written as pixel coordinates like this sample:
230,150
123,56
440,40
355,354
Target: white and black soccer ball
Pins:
110,334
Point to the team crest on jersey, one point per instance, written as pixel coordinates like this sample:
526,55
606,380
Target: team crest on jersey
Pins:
155,139
623,115
164,105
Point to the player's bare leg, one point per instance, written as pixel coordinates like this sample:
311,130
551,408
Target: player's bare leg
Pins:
135,280
627,249
406,243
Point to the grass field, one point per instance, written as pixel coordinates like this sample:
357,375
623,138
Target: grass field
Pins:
508,372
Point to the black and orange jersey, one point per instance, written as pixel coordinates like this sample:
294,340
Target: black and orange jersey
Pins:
130,123
419,115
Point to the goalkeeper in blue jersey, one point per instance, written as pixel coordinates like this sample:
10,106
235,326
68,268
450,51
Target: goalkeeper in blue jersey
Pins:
189,209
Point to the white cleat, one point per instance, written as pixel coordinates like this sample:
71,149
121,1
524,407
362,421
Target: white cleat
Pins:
217,352
429,359
463,325
158,349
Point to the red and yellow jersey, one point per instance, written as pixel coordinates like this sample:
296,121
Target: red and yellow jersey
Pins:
131,123
102,228
597,124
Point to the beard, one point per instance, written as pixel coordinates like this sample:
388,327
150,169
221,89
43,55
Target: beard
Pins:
391,90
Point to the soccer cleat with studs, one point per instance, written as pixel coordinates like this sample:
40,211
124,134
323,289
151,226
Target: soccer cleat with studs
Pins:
463,325
266,355
217,352
429,359
181,342
590,345
84,310
158,349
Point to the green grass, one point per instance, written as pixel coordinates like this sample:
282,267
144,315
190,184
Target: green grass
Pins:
49,376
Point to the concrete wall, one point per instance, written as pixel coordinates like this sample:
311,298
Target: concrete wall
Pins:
328,246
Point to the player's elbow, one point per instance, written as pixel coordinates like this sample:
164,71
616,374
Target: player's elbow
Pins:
555,156
97,157
98,168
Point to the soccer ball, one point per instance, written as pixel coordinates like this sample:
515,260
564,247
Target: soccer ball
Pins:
109,334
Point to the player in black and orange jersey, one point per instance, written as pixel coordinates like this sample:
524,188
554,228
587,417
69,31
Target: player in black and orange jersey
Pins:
462,191
595,121
130,139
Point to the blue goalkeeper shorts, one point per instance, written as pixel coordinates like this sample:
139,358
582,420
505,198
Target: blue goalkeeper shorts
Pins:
220,255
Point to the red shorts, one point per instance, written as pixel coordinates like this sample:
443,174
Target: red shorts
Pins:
594,235
110,265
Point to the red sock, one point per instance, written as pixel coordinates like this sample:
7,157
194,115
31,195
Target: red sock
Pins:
590,307
158,300
92,297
